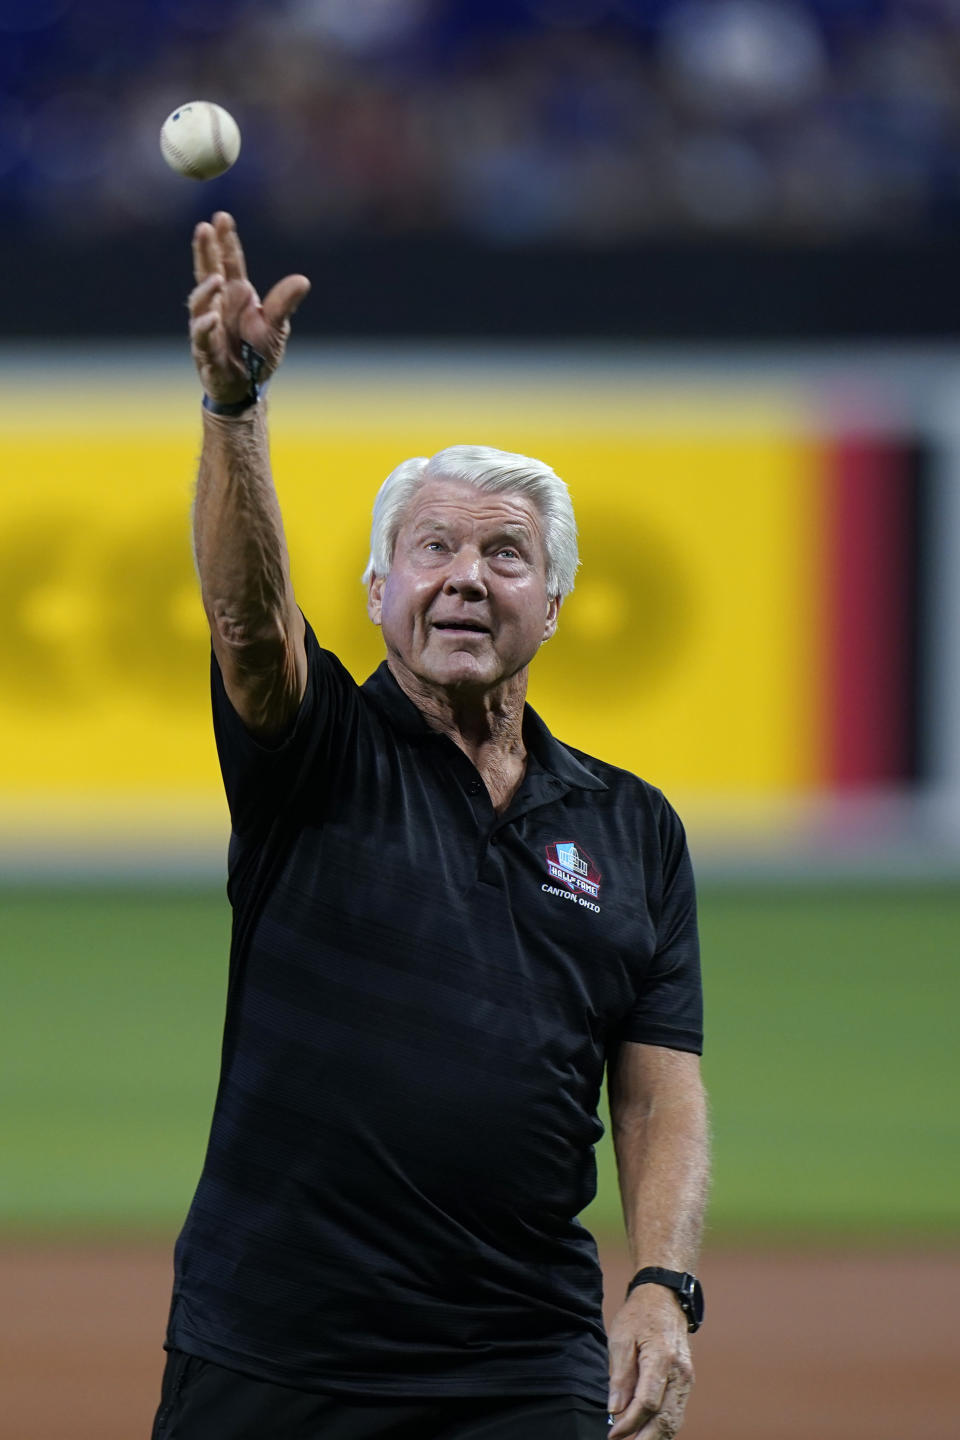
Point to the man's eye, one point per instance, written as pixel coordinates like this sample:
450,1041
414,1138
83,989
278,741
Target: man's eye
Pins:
433,545
509,551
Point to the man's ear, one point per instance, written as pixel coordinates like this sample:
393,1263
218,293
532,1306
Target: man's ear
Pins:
553,612
375,598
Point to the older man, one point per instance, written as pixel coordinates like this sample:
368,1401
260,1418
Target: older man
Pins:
445,924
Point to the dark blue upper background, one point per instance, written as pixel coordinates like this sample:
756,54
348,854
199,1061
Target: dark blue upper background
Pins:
442,134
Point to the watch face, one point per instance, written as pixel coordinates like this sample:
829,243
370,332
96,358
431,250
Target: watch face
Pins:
691,1298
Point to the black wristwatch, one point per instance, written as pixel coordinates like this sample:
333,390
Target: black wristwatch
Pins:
688,1288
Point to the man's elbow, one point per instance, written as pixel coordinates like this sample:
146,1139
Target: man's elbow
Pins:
264,668
252,638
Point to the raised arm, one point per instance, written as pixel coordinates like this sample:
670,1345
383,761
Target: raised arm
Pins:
659,1124
239,544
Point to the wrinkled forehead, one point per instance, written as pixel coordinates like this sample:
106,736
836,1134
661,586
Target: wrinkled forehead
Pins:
455,504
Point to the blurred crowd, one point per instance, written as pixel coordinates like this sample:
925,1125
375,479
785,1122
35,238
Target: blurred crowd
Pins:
512,122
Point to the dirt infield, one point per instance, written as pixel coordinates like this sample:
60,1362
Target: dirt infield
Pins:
832,1346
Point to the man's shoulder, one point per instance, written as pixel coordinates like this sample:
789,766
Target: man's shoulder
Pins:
625,785
623,803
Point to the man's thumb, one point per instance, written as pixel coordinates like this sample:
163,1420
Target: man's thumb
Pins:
285,298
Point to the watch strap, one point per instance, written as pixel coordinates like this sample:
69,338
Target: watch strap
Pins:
253,363
657,1275
688,1290
218,407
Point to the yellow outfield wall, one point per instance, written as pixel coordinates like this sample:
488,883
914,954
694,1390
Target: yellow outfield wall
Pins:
688,651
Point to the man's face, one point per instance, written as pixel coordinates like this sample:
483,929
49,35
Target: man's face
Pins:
465,604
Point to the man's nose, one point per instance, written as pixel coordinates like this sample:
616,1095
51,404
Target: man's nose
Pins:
465,575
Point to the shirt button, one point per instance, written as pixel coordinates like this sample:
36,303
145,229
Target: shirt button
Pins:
475,787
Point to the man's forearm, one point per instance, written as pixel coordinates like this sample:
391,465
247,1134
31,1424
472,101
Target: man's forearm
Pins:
661,1143
239,544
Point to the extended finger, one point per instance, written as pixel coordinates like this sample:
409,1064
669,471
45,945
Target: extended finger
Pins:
234,264
206,252
285,298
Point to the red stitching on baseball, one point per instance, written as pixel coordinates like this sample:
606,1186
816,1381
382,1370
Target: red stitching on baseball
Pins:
217,142
186,164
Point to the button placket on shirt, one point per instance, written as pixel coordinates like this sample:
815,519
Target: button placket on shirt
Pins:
539,789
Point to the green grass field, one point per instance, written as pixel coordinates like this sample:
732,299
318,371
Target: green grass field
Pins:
831,1023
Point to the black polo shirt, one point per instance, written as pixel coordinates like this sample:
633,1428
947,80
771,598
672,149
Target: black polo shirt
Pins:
421,999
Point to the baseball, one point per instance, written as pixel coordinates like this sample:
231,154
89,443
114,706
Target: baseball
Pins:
200,140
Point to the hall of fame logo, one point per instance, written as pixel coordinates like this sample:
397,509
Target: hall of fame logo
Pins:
573,867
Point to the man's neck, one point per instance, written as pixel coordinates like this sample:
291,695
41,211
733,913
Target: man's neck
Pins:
487,725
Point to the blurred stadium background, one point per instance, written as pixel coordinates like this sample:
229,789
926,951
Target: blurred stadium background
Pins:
699,256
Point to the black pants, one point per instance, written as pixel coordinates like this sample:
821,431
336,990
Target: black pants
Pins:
203,1401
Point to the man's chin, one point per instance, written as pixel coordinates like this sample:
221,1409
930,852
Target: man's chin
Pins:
470,669
462,669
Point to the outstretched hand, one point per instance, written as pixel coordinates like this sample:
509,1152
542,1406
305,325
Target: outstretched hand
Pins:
650,1369
226,312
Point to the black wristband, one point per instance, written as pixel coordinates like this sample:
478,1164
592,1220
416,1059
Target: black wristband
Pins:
217,407
253,363
688,1290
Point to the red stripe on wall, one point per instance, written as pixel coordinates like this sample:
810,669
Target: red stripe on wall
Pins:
867,614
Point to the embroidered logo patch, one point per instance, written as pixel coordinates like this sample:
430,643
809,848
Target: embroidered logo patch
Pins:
573,867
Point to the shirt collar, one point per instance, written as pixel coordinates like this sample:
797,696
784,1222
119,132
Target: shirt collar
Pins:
551,754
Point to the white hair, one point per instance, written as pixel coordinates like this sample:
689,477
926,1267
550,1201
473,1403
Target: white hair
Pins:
493,471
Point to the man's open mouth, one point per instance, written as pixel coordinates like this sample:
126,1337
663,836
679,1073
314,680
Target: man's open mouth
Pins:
459,625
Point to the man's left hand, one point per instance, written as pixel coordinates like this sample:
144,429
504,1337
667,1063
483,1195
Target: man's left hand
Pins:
651,1373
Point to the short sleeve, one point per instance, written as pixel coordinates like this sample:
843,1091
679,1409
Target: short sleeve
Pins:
669,1006
259,778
